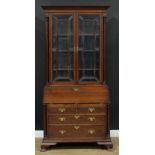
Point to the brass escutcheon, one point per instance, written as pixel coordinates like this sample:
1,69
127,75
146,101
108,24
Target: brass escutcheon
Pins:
91,119
62,109
91,109
76,88
76,127
62,119
76,116
62,131
91,131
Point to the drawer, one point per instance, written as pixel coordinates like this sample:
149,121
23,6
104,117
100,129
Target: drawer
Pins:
76,131
61,109
91,108
77,119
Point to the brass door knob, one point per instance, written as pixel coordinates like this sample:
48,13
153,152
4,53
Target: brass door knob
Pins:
62,119
91,131
62,109
62,131
76,127
76,116
91,109
91,119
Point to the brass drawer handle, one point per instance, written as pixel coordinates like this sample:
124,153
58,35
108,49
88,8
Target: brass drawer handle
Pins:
76,127
62,119
91,119
91,109
76,116
76,88
91,131
62,109
62,131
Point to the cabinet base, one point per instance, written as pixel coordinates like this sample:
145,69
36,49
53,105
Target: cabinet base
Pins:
46,144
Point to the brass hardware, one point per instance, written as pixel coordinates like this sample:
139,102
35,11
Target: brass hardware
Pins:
76,88
62,109
62,131
91,109
76,116
91,131
62,119
91,119
76,127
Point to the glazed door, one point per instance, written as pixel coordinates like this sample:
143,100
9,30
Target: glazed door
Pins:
75,48
88,47
62,48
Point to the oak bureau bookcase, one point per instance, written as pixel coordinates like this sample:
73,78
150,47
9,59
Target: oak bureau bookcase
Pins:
76,98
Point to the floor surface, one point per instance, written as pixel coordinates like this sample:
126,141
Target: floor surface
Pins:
78,149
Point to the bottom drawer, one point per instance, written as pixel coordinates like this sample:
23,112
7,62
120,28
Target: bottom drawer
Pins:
76,131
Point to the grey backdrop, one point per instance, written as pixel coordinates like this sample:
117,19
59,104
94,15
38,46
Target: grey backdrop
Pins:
112,55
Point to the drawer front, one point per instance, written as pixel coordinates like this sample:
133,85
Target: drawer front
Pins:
76,108
91,108
77,119
61,109
76,131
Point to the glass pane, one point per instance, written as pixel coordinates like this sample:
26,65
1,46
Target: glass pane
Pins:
62,48
89,47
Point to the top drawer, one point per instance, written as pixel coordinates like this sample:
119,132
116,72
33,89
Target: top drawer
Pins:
61,108
91,108
76,108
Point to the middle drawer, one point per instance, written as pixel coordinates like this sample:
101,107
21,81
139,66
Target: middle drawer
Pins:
76,119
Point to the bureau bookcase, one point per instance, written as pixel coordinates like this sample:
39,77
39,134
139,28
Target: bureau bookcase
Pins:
76,99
